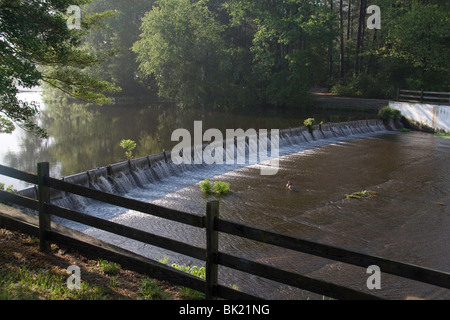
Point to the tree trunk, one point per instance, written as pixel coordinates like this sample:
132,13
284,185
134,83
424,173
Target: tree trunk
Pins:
330,50
341,33
359,36
349,19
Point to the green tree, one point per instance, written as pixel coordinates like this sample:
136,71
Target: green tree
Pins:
36,45
117,36
420,38
181,45
409,51
289,39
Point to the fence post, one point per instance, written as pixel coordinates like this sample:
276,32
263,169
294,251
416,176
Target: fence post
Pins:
212,249
421,95
398,94
43,197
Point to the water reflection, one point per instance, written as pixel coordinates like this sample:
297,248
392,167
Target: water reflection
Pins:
83,137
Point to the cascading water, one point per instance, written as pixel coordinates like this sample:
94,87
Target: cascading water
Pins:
151,183
258,200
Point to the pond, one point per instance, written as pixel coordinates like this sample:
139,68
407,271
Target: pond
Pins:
408,220
83,137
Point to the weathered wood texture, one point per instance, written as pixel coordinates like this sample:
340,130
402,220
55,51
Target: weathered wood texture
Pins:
423,96
430,276
132,204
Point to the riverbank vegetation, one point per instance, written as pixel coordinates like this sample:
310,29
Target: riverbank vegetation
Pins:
442,135
219,54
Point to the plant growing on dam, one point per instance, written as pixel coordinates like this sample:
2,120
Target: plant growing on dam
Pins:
206,186
309,123
218,187
387,114
221,187
129,146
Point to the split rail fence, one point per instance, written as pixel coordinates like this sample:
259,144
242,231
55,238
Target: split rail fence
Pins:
212,224
422,96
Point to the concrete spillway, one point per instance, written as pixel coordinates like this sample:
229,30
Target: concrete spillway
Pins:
143,172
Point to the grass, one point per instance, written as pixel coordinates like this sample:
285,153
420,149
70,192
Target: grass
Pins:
442,135
28,274
188,293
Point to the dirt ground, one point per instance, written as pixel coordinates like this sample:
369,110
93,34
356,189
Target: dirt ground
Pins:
18,249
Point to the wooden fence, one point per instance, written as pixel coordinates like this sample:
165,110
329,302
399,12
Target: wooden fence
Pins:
421,96
212,224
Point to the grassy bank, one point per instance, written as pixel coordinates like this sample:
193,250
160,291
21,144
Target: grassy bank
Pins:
28,274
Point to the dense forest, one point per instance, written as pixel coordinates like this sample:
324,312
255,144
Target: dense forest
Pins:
226,54
242,53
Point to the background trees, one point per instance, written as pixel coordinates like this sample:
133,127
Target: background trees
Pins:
227,54
399,54
273,51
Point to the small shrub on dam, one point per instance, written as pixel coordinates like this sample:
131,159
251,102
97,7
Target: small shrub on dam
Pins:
129,146
206,186
219,187
309,122
387,114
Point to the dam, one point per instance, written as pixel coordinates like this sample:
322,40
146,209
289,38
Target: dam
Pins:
407,221
125,176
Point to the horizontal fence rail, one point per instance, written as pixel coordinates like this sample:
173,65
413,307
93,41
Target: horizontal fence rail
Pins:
213,225
335,253
128,232
423,96
143,207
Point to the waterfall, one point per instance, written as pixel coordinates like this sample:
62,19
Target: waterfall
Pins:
147,172
104,185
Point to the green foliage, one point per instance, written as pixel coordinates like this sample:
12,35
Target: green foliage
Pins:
37,46
150,290
200,272
206,186
364,86
361,194
219,187
113,40
309,122
442,135
9,188
109,268
409,51
419,37
129,146
387,114
181,45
